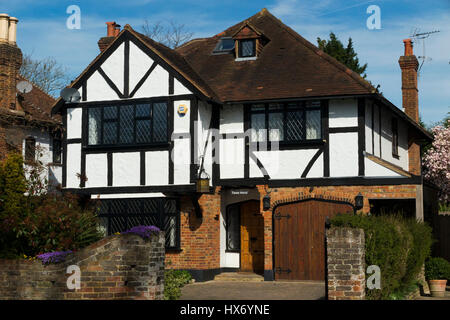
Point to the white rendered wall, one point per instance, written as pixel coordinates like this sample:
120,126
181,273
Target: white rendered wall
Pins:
232,158
98,89
114,66
344,154
181,161
181,122
179,88
386,141
128,195
202,127
343,113
140,63
96,170
232,119
74,116
73,165
373,169
156,168
126,169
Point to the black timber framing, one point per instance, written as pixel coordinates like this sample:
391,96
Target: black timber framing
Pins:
169,189
193,134
111,83
142,81
247,141
326,137
215,144
142,168
126,69
64,149
172,143
361,135
110,168
311,163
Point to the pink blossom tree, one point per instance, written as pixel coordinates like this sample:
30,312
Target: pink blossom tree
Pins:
436,161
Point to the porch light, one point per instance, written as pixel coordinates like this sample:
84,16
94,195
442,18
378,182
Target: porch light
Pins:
203,182
359,201
266,202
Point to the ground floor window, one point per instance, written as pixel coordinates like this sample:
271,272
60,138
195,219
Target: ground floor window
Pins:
118,215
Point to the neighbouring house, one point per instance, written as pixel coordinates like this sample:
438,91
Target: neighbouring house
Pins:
26,123
287,136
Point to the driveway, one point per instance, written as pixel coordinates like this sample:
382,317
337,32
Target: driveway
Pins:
267,290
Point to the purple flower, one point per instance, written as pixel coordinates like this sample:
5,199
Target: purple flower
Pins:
54,257
143,231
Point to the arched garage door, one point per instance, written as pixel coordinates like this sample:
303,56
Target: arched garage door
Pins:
299,236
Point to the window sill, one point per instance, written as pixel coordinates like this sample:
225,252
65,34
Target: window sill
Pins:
307,144
116,147
245,59
232,251
174,250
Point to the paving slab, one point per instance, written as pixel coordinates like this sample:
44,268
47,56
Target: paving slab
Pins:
246,290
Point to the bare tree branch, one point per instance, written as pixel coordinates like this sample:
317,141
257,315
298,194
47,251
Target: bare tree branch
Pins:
170,33
46,73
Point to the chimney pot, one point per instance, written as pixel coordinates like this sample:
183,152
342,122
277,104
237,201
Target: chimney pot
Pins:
408,47
13,30
111,29
4,27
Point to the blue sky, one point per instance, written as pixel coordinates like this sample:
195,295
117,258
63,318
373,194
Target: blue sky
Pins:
42,31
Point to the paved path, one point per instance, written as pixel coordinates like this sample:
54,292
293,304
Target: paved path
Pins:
267,290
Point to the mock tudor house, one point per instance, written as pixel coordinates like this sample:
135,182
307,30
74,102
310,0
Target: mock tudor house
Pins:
26,123
285,135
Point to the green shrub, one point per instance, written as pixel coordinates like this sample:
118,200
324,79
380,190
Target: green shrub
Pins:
437,269
58,223
398,246
174,280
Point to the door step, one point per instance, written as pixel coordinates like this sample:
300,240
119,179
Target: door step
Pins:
239,276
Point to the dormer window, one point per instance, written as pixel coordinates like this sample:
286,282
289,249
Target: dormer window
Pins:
225,45
247,48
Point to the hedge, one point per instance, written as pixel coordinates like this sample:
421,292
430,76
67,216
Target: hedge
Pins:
399,246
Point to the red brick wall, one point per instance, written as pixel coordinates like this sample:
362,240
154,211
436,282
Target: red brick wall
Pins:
117,267
200,237
345,193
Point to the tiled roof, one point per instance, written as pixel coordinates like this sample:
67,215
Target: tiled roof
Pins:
288,66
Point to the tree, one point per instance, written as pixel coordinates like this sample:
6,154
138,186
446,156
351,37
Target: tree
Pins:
347,56
46,73
436,162
171,34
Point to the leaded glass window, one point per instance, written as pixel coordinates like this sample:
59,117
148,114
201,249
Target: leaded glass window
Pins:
247,48
128,124
290,122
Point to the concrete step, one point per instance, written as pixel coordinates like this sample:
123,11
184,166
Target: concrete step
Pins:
239,276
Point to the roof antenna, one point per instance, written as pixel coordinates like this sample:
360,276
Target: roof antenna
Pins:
422,36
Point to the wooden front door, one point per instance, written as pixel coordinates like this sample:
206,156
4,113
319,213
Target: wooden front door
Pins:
299,238
252,238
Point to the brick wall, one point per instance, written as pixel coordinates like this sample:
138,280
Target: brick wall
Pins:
200,237
345,264
344,193
117,267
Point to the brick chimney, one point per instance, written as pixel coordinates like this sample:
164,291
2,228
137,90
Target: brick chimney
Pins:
10,61
113,30
409,64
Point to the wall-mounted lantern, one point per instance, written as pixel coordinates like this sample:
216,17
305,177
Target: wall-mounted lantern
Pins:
359,201
266,202
203,182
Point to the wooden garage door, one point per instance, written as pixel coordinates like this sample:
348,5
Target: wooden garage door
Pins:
299,236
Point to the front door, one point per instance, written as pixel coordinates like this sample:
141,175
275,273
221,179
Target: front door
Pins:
252,238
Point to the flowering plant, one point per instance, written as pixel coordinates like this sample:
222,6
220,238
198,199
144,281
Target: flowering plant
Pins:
143,231
53,257
437,162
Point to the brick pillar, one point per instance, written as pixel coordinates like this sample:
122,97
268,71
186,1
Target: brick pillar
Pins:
268,246
346,264
410,93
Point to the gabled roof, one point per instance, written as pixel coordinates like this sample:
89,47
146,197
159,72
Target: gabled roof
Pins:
288,66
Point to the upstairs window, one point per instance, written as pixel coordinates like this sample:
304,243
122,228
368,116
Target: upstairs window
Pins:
290,122
30,149
128,124
225,45
57,148
395,138
247,48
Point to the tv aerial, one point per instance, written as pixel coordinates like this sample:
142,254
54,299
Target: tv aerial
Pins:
24,87
70,95
422,36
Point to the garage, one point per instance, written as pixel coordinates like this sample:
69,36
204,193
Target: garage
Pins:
299,238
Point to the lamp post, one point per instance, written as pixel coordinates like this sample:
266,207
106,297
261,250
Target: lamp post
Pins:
359,201
266,202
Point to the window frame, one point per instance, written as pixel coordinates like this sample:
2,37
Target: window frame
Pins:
240,48
302,105
119,105
394,130
159,218
57,149
28,152
223,51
